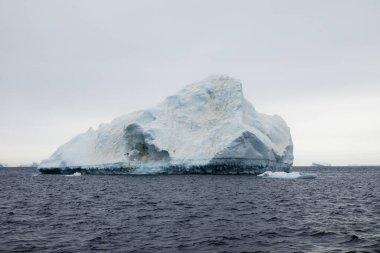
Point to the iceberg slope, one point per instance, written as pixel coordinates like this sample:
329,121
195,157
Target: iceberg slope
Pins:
207,127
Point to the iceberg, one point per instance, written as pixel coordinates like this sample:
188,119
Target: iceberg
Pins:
208,127
31,165
321,164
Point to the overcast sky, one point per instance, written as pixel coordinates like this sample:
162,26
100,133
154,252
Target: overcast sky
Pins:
68,65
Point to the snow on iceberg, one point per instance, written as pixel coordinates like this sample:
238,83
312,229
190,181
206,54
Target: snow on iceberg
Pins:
286,175
207,127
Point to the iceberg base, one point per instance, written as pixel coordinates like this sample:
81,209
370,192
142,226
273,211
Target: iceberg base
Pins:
213,167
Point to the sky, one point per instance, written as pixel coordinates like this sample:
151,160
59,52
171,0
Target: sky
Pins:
69,65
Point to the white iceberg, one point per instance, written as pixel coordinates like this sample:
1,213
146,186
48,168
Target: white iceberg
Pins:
207,127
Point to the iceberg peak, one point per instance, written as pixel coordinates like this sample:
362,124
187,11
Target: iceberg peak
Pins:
207,127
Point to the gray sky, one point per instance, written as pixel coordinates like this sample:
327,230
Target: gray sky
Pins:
68,65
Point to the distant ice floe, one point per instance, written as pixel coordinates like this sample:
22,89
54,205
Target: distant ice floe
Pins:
321,164
286,175
76,174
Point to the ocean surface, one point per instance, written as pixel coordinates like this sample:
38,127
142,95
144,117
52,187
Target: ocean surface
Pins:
338,211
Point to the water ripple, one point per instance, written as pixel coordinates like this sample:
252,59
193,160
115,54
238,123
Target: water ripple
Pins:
338,211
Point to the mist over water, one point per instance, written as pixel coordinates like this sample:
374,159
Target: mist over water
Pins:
337,211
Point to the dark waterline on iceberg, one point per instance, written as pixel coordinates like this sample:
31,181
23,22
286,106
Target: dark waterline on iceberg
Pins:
216,166
338,211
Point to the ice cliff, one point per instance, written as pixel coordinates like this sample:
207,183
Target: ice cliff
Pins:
207,127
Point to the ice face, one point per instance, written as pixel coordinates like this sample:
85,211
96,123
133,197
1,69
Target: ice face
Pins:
207,127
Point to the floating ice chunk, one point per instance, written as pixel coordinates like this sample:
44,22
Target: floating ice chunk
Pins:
285,175
76,174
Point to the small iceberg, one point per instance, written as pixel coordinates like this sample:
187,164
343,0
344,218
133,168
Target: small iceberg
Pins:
76,174
286,175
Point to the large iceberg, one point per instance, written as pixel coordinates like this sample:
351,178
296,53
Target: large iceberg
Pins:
208,127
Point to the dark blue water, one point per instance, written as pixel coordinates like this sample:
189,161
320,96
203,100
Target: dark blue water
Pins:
339,211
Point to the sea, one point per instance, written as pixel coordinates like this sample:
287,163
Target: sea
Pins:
337,210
